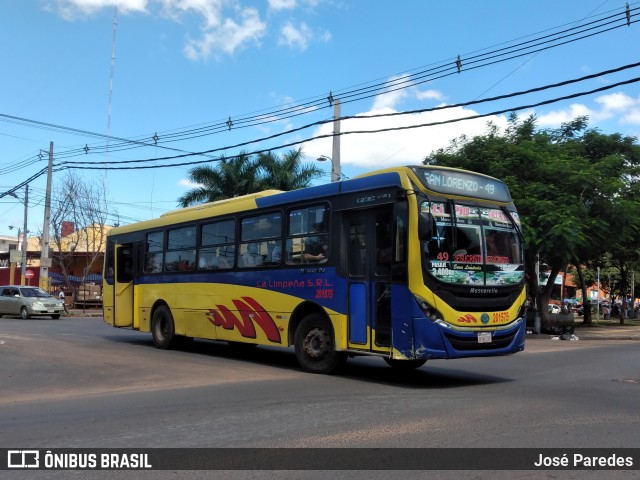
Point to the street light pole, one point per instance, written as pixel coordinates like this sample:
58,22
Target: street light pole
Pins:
324,158
336,169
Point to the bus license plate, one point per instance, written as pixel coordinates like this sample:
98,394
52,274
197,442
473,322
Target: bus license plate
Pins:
484,337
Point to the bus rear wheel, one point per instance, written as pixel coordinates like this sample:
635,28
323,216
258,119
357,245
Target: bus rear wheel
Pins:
163,328
315,345
404,364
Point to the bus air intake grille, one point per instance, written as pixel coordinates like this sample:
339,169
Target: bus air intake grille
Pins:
471,343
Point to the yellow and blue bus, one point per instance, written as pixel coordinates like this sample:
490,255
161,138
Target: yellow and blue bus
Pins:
409,264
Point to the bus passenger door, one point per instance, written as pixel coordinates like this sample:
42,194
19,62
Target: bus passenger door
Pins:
369,243
123,286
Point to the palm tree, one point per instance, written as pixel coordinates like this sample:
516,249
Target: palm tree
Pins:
230,178
288,172
244,174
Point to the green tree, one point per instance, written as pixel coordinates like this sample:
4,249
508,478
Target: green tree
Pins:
231,177
245,174
287,173
565,183
614,199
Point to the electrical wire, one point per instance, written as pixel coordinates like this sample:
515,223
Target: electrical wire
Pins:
364,117
61,167
442,69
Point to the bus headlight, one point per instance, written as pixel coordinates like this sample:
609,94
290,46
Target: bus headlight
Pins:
430,311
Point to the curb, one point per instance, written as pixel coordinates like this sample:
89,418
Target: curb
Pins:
586,337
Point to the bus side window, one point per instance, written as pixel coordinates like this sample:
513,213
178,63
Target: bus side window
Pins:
294,251
251,257
154,251
153,263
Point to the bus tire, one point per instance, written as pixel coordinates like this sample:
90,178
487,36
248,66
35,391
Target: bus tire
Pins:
315,345
404,364
163,328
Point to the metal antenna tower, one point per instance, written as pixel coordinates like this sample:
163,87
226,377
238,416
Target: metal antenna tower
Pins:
113,62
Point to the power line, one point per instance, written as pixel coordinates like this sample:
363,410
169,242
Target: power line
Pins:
298,142
112,166
363,117
442,69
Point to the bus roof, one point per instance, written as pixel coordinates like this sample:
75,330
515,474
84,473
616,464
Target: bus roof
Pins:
267,198
390,177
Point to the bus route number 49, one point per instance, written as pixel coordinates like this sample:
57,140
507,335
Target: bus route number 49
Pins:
484,337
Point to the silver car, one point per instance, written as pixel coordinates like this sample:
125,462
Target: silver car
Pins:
28,301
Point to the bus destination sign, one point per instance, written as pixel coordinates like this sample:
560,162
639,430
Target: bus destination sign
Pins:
463,183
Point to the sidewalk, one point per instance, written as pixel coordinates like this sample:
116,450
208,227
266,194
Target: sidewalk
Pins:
602,330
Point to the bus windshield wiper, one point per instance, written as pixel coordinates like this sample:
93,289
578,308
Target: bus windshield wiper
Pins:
514,223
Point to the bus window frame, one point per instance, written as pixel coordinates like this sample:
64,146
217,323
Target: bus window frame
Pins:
221,250
297,242
257,251
156,253
182,264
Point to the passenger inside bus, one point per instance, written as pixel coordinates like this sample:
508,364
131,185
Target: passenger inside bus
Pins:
315,249
276,253
252,257
210,259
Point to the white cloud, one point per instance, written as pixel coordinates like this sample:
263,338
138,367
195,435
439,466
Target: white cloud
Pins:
228,36
555,118
209,10
618,107
399,147
282,4
616,101
632,117
408,146
226,26
295,37
73,9
429,95
388,100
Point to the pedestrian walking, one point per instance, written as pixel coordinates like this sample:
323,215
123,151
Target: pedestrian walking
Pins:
64,304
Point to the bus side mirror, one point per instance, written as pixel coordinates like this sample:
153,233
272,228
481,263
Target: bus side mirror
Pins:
425,226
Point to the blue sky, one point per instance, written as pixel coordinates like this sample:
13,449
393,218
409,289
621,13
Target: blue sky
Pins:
182,65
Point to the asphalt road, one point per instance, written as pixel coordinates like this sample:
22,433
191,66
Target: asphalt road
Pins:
77,382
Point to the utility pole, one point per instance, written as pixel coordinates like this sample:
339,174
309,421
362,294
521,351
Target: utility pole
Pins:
45,261
336,169
25,239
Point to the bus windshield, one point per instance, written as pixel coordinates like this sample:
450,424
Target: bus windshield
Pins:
473,245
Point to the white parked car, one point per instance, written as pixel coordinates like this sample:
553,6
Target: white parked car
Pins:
554,308
28,301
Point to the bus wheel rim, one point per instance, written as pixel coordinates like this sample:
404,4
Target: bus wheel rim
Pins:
316,343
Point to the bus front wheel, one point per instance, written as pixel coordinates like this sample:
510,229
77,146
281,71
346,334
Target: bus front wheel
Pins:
163,328
315,345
